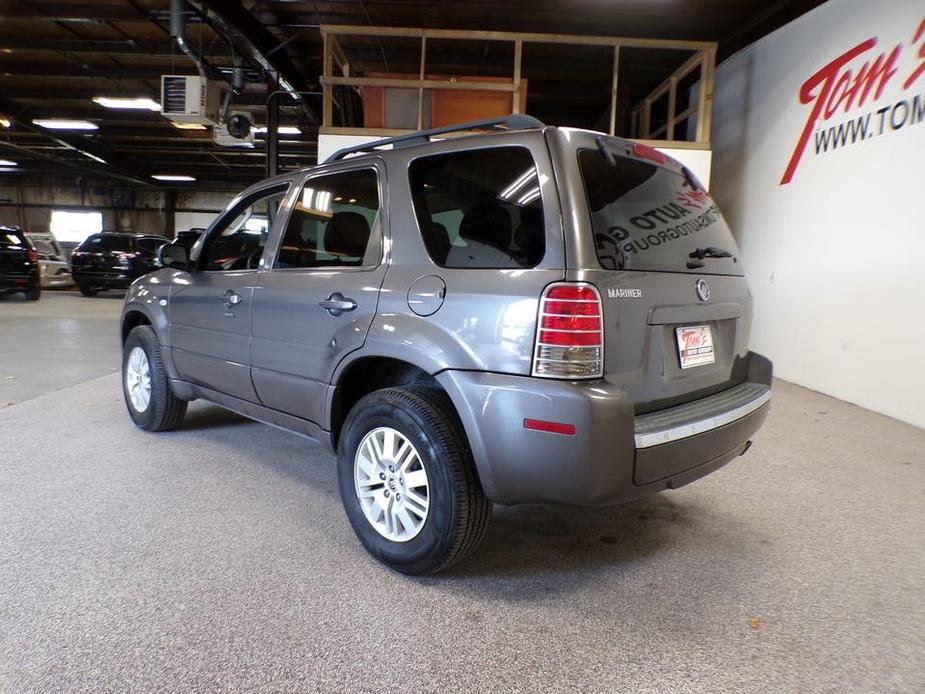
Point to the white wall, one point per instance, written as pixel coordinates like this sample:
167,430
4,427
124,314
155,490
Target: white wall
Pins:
835,256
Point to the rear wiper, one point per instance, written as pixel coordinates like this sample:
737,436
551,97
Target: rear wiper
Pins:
605,150
708,252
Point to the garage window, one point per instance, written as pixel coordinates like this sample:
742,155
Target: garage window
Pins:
73,227
480,208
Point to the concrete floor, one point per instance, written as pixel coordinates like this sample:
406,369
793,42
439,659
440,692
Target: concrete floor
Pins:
217,558
60,340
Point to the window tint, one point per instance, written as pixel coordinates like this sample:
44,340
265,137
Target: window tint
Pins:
480,208
648,217
237,243
334,223
99,243
150,245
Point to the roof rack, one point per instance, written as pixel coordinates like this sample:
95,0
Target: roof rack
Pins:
511,122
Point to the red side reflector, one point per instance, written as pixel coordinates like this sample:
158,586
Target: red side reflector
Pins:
646,152
551,427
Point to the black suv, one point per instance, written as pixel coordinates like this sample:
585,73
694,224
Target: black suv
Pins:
19,264
114,260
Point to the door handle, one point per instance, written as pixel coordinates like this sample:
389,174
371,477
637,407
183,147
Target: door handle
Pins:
232,298
337,304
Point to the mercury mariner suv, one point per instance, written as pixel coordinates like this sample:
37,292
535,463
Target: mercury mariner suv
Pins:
527,314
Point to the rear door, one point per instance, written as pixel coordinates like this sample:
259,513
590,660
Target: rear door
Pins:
677,308
210,306
317,294
104,254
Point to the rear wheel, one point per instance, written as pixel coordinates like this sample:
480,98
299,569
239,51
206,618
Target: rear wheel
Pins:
408,482
33,293
150,401
87,290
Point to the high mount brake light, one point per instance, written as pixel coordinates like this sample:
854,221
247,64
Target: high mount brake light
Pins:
569,332
650,153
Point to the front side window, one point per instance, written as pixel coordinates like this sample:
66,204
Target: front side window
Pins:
334,223
480,208
238,242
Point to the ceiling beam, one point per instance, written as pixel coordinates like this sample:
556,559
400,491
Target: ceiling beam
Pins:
114,167
114,47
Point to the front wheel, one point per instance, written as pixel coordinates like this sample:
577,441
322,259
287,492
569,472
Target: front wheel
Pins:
150,401
408,482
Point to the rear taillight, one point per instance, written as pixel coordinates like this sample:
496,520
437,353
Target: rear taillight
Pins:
32,255
569,332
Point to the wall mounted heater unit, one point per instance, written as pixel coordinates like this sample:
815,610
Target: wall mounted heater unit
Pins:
190,99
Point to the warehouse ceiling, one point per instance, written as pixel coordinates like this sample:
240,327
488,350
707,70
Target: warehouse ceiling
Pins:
56,56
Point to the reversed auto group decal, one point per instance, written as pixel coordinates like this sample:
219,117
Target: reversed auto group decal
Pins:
872,89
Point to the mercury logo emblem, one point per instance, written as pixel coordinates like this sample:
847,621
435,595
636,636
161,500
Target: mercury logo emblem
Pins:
703,290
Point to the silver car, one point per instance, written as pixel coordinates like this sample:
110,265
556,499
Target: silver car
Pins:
532,314
52,260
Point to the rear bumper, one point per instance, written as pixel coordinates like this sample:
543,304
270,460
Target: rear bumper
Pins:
19,280
613,455
117,279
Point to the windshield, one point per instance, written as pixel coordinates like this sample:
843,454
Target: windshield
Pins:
650,218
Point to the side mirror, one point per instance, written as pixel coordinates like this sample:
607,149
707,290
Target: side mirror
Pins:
173,255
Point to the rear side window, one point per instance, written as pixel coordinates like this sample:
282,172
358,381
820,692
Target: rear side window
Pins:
107,242
650,218
150,245
334,223
480,208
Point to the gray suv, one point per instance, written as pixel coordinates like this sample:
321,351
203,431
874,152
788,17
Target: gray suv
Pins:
529,314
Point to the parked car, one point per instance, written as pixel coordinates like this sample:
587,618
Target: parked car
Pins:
19,264
111,260
538,314
52,261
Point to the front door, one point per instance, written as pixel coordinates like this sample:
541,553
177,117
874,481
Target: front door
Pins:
317,294
210,306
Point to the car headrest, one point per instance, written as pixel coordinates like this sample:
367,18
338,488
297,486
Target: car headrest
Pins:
437,240
347,234
489,224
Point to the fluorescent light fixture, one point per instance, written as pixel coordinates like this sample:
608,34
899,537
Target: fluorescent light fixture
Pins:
281,130
94,157
7,162
188,126
141,102
64,124
5,122
171,177
8,169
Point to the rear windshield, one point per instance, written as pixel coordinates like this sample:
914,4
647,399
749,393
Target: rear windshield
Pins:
12,239
649,218
108,242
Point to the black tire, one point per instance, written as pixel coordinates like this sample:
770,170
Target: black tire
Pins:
33,293
458,512
165,410
87,290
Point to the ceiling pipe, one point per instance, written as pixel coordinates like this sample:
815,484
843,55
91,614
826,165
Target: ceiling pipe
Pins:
178,34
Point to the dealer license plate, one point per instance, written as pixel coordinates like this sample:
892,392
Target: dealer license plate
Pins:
695,345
